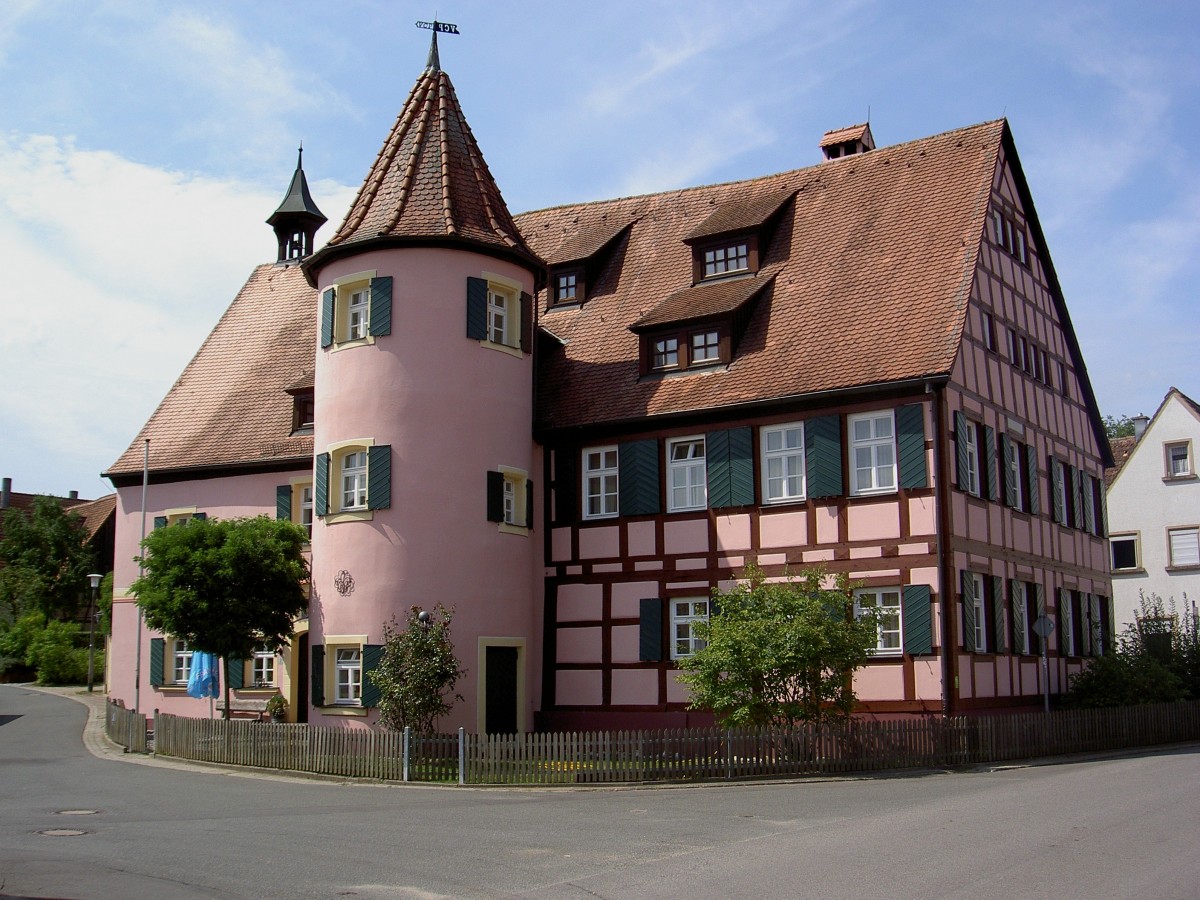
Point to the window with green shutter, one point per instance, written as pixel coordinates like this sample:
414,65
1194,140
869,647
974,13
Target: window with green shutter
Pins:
157,652
650,643
729,462
917,619
637,475
910,446
372,656
317,676
823,456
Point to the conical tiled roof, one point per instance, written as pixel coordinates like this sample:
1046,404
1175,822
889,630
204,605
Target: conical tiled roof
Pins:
298,203
429,183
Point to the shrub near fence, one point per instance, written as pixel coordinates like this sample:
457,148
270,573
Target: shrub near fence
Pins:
650,756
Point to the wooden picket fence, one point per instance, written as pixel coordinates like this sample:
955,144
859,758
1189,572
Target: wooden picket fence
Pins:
125,727
672,755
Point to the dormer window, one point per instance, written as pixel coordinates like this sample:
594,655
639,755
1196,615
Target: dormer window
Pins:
303,412
706,347
666,353
567,287
1010,235
729,258
688,348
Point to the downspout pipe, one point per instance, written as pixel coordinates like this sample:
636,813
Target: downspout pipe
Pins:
945,548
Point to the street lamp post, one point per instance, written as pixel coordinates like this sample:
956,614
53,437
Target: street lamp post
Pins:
92,613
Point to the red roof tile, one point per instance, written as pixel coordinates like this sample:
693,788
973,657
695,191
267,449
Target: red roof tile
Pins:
230,405
740,215
702,300
585,243
872,263
849,133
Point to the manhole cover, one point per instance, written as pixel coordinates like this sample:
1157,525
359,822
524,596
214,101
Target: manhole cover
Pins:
61,832
77,812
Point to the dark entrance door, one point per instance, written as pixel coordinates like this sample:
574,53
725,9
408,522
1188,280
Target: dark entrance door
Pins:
501,709
302,679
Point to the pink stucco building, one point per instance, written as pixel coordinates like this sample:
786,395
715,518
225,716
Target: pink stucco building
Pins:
572,424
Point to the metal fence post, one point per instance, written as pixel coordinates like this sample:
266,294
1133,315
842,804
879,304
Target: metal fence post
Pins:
407,735
462,755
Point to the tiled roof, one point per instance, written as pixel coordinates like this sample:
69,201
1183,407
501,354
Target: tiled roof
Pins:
740,215
872,263
96,512
1121,448
586,242
230,405
429,181
703,300
841,135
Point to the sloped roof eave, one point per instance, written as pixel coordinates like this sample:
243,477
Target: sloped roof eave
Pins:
330,252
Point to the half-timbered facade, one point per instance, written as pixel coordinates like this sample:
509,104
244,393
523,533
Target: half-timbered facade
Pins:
573,424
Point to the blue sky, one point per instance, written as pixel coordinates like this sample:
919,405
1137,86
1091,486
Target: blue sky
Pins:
142,145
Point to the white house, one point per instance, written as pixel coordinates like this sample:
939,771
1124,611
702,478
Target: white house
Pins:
1154,511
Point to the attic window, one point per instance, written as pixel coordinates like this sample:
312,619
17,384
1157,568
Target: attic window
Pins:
687,348
726,258
567,286
1010,235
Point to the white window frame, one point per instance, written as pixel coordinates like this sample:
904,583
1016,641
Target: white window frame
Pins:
352,479
181,662
1171,460
685,612
358,313
971,433
263,671
687,477
783,473
888,602
515,500
726,258
880,450
347,676
1183,547
601,480
499,316
980,601
306,508
1017,471
1130,537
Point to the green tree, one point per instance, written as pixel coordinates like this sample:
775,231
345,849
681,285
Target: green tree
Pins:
1121,426
418,672
224,585
44,562
779,653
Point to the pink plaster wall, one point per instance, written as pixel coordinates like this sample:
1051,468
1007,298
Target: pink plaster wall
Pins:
580,602
873,522
579,645
626,643
676,692
560,544
922,512
578,687
634,687
641,539
626,596
879,682
928,678
827,524
686,536
733,533
783,529
599,542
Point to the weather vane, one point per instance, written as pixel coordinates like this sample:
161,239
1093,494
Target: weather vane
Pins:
435,25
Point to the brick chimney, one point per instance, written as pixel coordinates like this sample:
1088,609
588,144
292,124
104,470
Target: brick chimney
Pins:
5,493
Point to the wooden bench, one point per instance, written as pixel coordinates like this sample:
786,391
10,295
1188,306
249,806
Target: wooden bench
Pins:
246,708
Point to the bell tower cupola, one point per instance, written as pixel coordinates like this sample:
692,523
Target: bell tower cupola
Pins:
297,219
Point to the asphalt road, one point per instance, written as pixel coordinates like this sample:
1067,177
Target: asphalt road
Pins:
1114,827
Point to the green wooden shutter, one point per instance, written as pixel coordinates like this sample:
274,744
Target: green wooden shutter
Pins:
327,317
1109,628
157,651
650,645
1017,615
910,445
381,305
528,503
317,673
495,496
728,456
968,611
1065,638
999,644
235,673
637,478
477,309
372,656
1102,503
990,467
283,502
567,486
1056,491
823,456
1076,496
379,477
916,616
1039,606
1035,502
1012,489
962,458
1088,498
160,521
526,342
321,485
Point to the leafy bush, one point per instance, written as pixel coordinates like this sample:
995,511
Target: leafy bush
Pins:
53,653
418,671
15,640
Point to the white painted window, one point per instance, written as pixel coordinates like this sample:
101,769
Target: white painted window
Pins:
873,453
359,314
1184,545
688,485
510,501
354,480
684,615
1179,459
886,602
264,667
600,482
498,316
971,454
1124,549
731,258
980,614
783,462
181,662
347,675
306,508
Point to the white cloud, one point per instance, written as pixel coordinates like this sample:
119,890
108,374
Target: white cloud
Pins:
115,273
